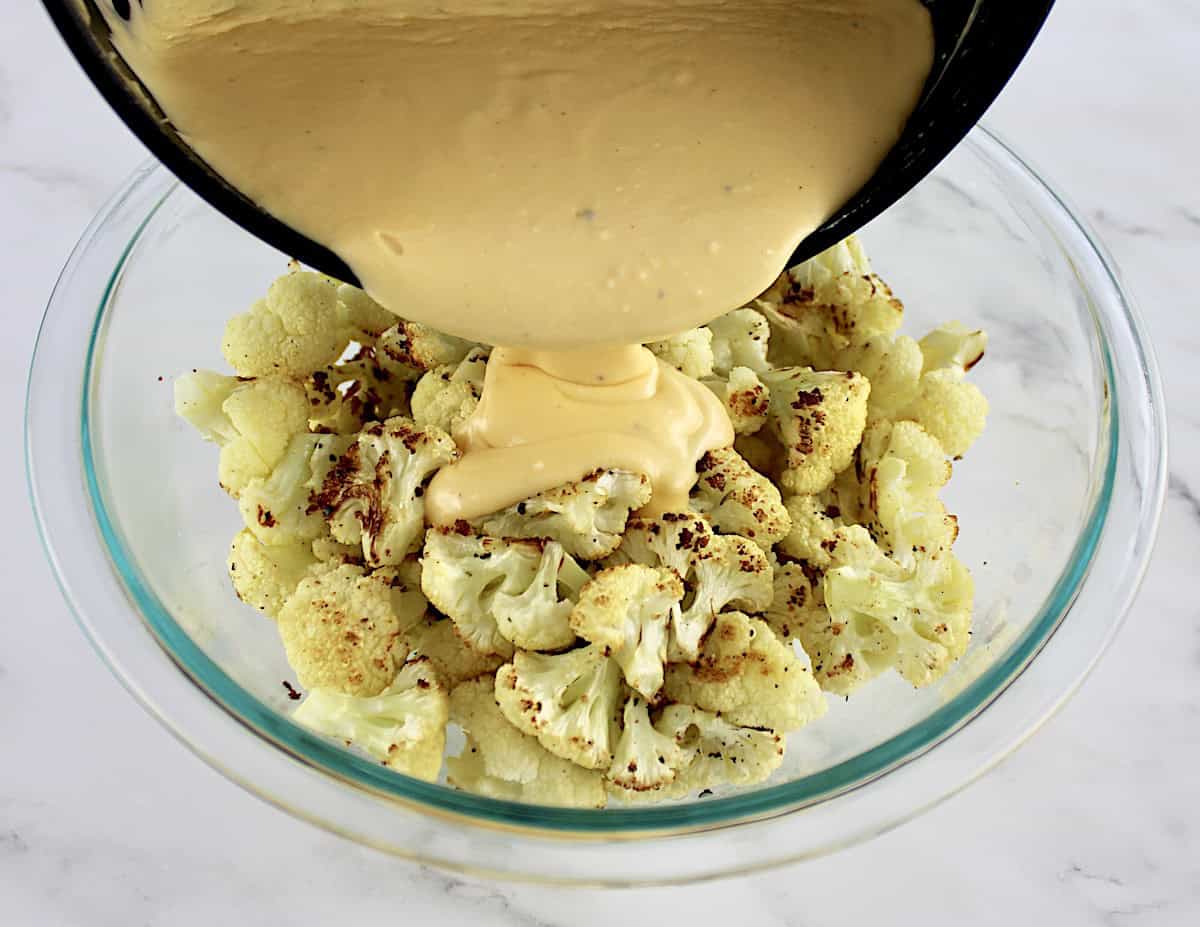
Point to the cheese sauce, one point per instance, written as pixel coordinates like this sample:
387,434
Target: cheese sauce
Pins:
566,178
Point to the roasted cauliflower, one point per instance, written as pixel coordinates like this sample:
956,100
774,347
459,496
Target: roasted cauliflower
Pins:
446,396
627,609
291,333
745,674
252,421
717,571
373,494
586,517
404,726
819,418
340,627
567,701
500,761
739,500
500,592
582,646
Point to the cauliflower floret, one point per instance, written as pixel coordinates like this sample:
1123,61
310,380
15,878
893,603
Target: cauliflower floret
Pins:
951,409
264,576
567,701
327,550
627,609
952,345
819,418
717,570
279,509
252,420
690,352
916,620
501,762
798,602
587,517
721,753
644,759
901,469
745,397
410,349
738,500
404,726
374,494
361,315
820,535
893,368
344,396
739,339
446,396
827,304
340,626
537,618
453,659
291,333
748,676
499,591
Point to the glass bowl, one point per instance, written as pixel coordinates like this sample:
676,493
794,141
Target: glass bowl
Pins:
1058,505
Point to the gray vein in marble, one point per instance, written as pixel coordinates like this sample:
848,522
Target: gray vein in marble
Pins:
1122,914
1177,488
482,896
12,843
1133,229
52,178
1076,871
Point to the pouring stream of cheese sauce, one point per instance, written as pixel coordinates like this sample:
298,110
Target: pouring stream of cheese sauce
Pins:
568,179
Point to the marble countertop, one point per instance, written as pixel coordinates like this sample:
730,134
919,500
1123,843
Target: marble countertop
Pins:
105,819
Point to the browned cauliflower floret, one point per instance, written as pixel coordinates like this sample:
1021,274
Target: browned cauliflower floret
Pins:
745,397
291,333
717,570
404,726
567,701
453,659
627,609
915,619
446,396
798,603
819,532
901,468
818,417
501,592
892,365
827,304
410,349
748,676
500,761
279,509
344,396
586,517
374,494
644,758
739,340
340,626
718,752
739,500
265,575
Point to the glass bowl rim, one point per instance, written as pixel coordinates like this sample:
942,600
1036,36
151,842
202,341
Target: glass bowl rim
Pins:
296,742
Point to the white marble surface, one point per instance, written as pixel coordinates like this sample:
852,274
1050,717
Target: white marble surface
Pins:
104,819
